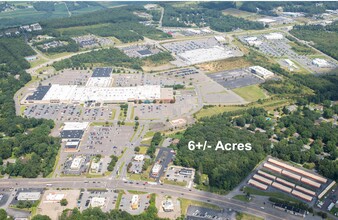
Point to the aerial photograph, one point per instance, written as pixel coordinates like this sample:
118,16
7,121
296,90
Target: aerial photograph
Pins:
168,110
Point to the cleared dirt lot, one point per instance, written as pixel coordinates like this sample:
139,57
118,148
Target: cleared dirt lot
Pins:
53,208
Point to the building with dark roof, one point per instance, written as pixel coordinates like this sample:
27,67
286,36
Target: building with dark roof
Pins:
72,134
145,52
102,72
39,93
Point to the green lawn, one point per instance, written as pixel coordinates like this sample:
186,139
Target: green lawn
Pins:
136,192
243,198
250,93
143,150
278,195
113,112
243,216
119,197
185,203
267,104
166,181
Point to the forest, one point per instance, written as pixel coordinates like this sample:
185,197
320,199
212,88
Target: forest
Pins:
103,56
12,54
202,17
116,22
27,140
266,8
325,38
225,169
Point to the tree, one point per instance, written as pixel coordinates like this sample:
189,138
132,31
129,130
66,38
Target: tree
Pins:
41,217
63,202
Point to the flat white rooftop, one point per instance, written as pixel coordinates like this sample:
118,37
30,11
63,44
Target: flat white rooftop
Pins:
69,126
31,196
73,93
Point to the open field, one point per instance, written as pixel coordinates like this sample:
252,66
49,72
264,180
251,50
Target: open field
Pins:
278,195
243,216
227,64
250,93
185,203
214,110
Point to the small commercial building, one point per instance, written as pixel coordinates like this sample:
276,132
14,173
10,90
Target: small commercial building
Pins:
135,202
156,169
76,163
29,196
320,63
274,36
168,205
262,72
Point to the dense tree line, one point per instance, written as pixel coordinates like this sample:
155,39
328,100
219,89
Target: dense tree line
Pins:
325,38
44,6
200,16
225,169
159,58
117,22
104,56
112,163
155,141
267,8
72,6
12,54
26,139
113,15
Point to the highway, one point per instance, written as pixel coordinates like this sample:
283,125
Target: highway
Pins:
109,183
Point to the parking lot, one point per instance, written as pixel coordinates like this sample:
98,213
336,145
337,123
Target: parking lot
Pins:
85,199
4,196
180,174
235,78
281,48
106,140
140,50
143,203
76,164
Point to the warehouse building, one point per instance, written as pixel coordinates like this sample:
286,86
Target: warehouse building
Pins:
262,72
257,184
287,183
320,63
262,179
299,171
282,187
274,36
302,195
266,175
273,168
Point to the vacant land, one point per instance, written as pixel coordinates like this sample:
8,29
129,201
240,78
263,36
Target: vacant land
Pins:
250,93
228,64
214,110
185,203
